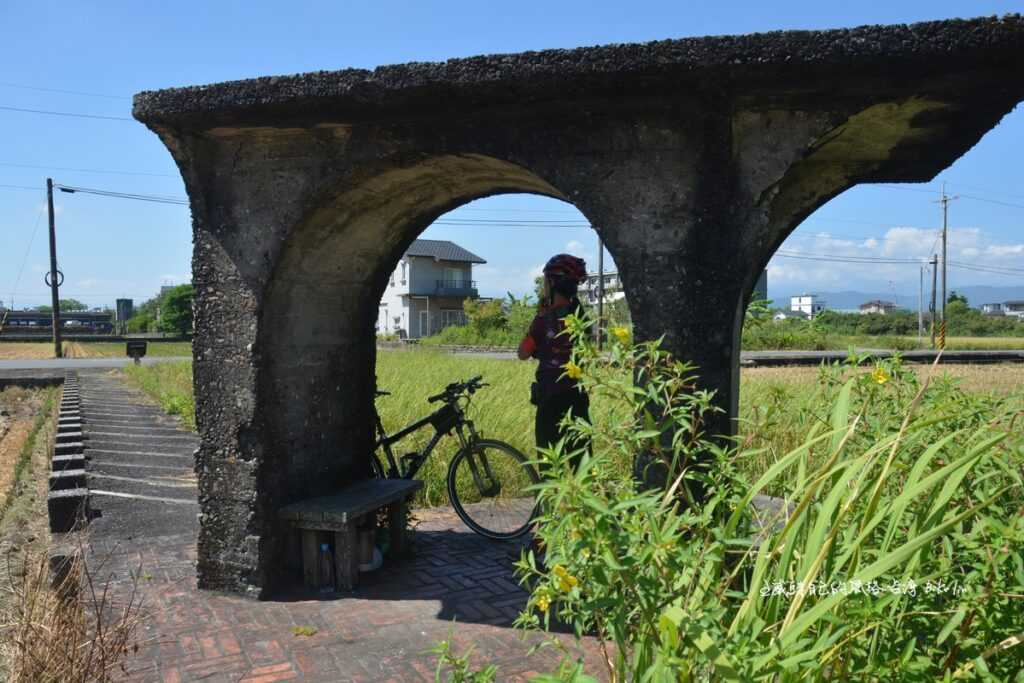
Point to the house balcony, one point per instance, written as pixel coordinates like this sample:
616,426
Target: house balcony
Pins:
463,289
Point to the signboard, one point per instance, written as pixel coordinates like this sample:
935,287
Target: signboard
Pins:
135,349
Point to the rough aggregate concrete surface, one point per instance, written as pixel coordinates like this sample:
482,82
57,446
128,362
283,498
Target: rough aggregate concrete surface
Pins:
561,72
693,159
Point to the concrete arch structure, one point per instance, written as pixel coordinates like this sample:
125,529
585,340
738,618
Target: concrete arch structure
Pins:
693,158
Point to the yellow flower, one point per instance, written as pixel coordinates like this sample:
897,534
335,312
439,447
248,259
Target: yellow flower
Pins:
566,581
621,333
543,603
880,375
572,370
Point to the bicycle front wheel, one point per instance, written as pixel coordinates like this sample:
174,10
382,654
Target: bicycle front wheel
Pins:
488,485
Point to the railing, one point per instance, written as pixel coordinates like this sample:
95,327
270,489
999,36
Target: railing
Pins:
456,288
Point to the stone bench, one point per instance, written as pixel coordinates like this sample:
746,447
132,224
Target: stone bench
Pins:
340,513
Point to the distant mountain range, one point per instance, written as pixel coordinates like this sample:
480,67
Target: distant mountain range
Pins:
851,300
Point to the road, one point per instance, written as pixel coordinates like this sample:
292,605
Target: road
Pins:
81,363
747,359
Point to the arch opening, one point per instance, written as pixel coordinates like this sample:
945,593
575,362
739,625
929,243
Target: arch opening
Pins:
317,331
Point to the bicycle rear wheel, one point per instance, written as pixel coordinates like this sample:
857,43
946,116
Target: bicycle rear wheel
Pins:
487,485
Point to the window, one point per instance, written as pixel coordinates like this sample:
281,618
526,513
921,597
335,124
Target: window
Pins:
453,277
403,272
392,278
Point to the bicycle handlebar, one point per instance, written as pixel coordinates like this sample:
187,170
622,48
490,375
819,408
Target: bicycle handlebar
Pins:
455,389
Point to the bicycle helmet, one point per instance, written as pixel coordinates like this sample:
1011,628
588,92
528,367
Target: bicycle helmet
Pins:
566,267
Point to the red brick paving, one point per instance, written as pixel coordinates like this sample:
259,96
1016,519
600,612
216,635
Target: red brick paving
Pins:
455,582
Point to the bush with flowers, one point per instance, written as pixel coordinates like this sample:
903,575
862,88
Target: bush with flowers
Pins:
898,553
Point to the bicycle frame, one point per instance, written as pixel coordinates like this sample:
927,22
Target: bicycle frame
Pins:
413,466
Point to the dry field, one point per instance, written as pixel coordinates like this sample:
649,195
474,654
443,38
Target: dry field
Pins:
18,410
26,350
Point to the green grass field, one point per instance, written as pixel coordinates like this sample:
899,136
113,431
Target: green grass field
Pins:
774,402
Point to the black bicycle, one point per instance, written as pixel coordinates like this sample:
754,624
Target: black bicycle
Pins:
488,480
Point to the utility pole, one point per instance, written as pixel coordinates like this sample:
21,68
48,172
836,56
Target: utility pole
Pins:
600,293
935,271
944,200
54,274
920,304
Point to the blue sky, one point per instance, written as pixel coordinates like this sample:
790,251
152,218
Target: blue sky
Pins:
112,248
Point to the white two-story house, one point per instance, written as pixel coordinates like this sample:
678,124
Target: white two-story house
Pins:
427,288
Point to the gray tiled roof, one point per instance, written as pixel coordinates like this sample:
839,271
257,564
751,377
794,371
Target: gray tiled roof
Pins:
442,250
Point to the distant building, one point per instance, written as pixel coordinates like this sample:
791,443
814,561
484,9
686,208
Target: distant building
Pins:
1014,308
790,315
808,304
992,309
878,306
588,290
427,288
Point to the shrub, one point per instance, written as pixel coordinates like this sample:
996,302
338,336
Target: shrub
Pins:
898,549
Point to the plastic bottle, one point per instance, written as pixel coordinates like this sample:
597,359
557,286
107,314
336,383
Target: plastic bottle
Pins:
326,564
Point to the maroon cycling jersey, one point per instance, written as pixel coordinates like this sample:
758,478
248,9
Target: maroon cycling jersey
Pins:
553,348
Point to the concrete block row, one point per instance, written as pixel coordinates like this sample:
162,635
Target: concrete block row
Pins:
68,501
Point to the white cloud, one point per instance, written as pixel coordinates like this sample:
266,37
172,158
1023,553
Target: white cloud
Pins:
498,281
1005,250
968,245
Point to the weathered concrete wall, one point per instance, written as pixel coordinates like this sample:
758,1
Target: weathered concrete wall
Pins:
693,159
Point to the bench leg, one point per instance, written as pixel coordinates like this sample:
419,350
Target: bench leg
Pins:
346,557
396,527
310,559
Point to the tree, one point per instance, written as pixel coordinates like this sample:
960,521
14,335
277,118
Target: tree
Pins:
484,316
953,297
176,310
68,305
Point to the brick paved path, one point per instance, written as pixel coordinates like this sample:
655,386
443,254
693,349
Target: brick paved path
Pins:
142,483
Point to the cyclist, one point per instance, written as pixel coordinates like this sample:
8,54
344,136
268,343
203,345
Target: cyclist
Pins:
555,393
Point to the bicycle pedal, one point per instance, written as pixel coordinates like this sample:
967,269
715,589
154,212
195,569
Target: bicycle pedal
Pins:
491,491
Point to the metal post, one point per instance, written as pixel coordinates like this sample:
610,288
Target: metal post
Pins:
600,293
944,200
935,271
57,351
920,304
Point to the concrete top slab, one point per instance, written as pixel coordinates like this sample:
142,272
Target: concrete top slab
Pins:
350,503
759,60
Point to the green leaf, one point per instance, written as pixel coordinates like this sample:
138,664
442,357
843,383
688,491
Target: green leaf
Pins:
951,624
724,669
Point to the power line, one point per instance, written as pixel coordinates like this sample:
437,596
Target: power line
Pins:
985,189
158,199
1001,270
22,187
65,113
64,92
867,259
88,170
897,187
992,201
24,260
